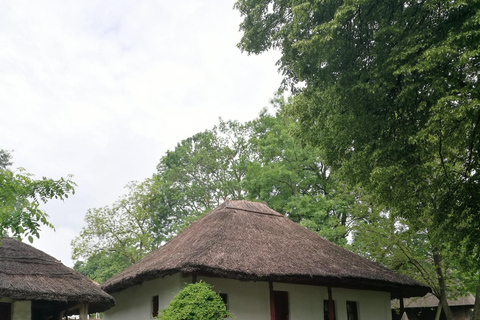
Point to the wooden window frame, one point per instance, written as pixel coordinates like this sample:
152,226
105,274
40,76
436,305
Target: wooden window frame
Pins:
354,306
155,306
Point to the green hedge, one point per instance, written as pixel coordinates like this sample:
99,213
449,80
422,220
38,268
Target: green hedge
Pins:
196,301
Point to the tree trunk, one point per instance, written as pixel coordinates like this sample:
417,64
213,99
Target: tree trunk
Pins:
441,283
476,308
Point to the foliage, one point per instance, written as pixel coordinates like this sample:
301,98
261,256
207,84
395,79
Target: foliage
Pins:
294,180
203,171
199,174
102,266
255,160
258,160
21,196
125,228
410,248
196,301
388,92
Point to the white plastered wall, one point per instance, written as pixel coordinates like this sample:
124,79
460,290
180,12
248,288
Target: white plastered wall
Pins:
21,310
251,300
370,304
136,302
246,300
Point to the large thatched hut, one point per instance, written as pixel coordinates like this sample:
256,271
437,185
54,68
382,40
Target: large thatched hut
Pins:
34,285
265,266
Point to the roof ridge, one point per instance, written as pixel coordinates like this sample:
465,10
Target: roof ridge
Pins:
255,211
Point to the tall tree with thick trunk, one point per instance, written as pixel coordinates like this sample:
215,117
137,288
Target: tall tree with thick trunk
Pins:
389,91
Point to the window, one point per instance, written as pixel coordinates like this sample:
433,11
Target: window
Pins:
224,299
154,306
352,311
326,310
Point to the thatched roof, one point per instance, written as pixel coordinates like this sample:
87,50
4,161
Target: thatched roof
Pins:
27,273
430,301
249,241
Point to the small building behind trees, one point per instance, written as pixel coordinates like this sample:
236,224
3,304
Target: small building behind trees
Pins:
264,266
426,308
36,286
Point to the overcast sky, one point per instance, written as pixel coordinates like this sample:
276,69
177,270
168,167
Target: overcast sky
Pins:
102,89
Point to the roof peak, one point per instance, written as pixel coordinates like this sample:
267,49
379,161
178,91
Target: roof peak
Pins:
249,206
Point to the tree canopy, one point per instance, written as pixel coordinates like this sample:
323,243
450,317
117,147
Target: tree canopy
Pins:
295,181
205,169
21,196
388,91
124,229
102,265
257,160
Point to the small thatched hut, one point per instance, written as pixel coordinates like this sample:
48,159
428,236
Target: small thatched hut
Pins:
34,285
425,308
285,271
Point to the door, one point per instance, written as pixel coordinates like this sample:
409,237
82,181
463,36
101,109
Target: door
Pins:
281,305
5,311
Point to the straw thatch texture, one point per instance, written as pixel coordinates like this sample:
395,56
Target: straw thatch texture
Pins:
27,273
430,301
249,241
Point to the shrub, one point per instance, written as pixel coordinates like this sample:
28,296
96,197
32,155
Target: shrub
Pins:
197,301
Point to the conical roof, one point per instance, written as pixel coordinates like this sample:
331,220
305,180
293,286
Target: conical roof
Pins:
249,241
27,273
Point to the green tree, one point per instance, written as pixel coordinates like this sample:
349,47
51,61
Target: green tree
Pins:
102,266
199,174
203,171
388,91
21,196
125,228
411,249
294,180
259,160
197,301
